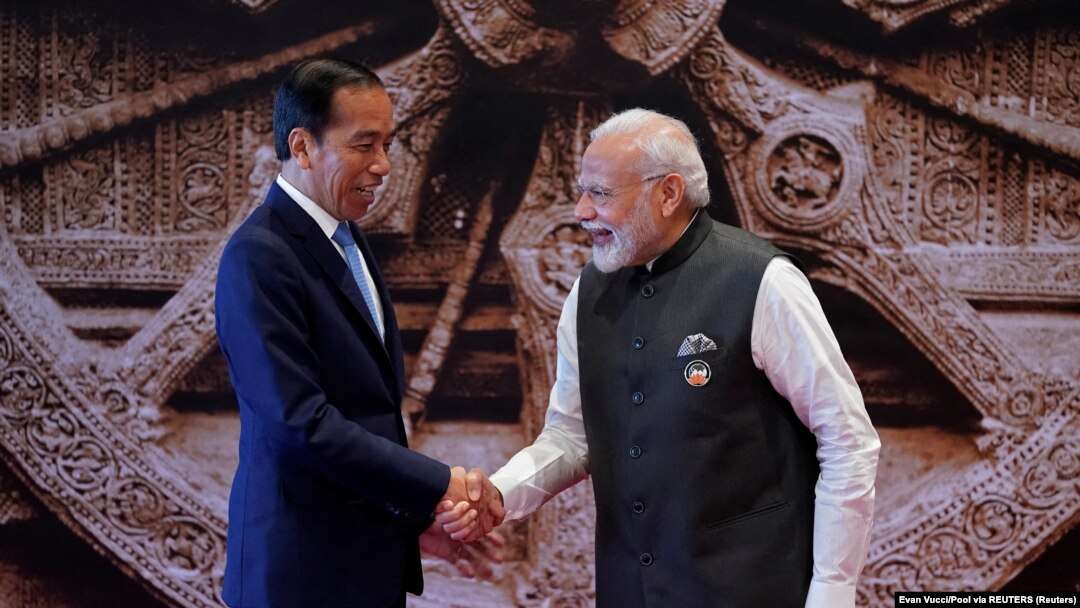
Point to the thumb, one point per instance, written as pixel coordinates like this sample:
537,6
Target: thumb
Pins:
474,482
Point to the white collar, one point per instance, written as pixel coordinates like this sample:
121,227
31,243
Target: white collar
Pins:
322,217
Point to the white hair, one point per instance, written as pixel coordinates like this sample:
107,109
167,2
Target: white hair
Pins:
666,144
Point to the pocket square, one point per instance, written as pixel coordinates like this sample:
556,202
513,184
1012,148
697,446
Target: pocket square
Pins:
695,344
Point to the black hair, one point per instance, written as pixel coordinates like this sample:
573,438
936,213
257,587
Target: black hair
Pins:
304,98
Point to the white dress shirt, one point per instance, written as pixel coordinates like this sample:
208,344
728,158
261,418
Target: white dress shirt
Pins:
791,341
329,224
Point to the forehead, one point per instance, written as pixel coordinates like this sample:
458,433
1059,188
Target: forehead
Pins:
608,159
366,109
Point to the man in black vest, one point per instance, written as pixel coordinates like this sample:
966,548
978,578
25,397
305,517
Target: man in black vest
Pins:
732,458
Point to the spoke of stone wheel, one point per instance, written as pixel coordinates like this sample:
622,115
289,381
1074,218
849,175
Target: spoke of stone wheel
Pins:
429,362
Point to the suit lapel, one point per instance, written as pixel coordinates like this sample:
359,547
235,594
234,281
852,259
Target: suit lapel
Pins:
322,250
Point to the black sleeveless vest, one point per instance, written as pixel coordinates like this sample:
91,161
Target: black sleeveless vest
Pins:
704,494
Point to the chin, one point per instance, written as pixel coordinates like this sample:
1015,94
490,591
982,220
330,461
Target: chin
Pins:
609,261
359,211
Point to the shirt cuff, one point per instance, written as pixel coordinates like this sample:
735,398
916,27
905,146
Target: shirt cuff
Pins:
506,485
824,595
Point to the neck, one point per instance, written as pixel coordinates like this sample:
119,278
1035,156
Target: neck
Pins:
295,176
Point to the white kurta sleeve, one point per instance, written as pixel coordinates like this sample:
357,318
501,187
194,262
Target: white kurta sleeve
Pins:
558,458
791,341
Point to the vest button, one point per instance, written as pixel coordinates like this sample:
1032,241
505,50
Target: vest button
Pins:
638,506
646,559
639,343
637,398
635,452
648,290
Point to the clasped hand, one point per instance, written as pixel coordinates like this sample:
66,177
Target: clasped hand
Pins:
470,510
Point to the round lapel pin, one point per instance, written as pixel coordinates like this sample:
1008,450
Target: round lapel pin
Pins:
697,373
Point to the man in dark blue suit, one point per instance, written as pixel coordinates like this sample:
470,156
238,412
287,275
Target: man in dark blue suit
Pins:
329,507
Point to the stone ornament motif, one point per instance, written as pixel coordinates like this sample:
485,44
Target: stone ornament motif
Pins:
937,187
809,171
897,14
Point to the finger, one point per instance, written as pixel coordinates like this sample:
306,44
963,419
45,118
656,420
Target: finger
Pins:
462,532
492,508
455,513
444,506
494,501
498,512
474,482
461,526
483,523
476,534
459,529
446,517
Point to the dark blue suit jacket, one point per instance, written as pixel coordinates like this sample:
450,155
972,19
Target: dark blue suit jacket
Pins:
328,501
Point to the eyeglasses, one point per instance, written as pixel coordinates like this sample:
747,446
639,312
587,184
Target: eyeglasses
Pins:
600,195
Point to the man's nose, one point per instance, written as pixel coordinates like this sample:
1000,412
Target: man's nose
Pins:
584,209
381,166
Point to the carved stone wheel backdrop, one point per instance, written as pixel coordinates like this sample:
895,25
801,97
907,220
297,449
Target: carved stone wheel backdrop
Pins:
920,156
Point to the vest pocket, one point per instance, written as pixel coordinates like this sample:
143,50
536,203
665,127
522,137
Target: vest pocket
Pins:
708,356
741,517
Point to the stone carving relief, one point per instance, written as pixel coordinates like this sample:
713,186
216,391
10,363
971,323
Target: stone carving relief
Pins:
658,35
805,179
501,32
1057,198
424,87
938,186
896,14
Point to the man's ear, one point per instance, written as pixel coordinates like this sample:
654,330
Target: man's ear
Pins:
673,190
300,144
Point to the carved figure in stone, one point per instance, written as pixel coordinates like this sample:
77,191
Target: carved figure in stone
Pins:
805,173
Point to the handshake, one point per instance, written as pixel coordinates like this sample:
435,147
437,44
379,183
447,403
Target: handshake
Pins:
465,518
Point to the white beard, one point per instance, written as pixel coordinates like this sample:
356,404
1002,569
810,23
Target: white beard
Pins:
626,243
609,258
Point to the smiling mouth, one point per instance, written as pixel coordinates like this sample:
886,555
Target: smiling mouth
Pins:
596,232
367,190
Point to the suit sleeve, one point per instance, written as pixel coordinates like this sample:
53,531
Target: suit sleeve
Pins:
262,310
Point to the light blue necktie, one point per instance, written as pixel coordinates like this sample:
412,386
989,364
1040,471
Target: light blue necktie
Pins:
343,236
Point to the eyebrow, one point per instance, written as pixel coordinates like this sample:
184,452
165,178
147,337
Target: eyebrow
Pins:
371,133
591,185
